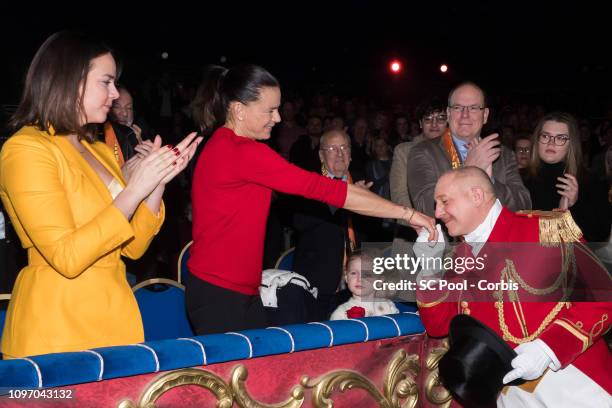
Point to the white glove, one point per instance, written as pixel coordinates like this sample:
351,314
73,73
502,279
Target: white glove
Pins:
423,247
532,360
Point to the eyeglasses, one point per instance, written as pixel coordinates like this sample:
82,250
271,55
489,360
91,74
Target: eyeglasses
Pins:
523,150
558,140
336,149
441,118
472,109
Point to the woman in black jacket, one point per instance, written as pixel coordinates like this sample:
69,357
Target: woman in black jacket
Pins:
556,177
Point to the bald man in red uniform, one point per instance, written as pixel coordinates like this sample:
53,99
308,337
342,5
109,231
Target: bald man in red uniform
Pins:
560,347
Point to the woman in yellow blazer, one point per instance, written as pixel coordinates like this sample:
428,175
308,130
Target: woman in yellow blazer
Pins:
72,208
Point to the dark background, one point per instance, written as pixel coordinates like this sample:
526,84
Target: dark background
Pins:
553,54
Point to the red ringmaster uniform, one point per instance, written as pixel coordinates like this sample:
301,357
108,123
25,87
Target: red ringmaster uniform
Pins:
573,330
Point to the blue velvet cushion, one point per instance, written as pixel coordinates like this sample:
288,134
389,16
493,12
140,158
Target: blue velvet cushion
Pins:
111,362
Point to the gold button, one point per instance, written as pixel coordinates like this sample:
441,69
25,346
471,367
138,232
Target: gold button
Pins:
466,311
464,304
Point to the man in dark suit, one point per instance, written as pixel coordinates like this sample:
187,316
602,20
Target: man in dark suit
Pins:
461,145
324,232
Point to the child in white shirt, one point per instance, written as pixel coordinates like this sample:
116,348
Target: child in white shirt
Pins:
362,303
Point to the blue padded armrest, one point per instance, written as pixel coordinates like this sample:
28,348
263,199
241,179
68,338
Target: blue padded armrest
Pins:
61,369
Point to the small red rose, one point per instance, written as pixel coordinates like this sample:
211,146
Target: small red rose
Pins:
355,311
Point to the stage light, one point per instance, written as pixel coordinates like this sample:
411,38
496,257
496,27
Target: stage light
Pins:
443,68
164,55
395,66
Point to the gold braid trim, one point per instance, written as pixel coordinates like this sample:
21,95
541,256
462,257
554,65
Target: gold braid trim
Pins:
557,227
586,341
598,327
510,273
506,332
520,316
434,303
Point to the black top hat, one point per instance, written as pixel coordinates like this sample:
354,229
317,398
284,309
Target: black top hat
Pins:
477,361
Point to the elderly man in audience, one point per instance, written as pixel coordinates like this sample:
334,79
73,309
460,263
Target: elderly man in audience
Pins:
325,233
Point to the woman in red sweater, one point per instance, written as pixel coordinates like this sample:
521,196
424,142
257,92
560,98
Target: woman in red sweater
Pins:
232,188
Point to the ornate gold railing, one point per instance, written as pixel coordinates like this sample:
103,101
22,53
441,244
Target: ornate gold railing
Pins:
400,388
434,391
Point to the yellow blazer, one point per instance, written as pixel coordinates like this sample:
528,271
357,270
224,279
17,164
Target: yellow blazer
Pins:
73,295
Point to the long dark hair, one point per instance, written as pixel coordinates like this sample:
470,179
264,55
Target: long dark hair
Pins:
55,82
222,86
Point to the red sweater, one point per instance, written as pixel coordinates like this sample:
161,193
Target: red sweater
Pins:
232,188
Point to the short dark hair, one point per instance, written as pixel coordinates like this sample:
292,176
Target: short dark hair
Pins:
429,106
521,137
221,86
52,95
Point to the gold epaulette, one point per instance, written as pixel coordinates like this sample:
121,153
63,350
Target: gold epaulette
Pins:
555,226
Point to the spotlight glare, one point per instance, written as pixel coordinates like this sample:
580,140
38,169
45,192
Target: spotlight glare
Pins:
395,66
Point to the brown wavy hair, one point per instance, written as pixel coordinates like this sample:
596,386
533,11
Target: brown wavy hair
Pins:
52,94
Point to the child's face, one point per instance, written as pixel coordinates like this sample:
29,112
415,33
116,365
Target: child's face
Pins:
353,279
